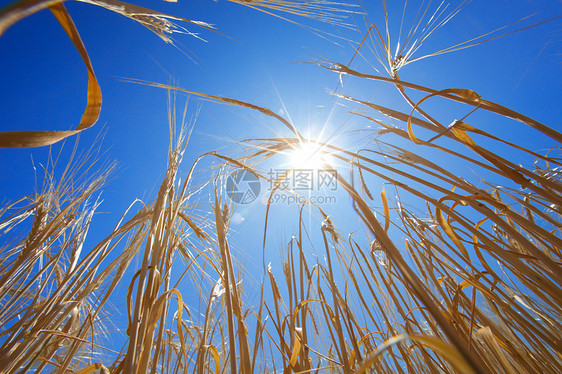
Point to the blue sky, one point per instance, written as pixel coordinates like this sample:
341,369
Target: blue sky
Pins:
43,87
44,79
260,62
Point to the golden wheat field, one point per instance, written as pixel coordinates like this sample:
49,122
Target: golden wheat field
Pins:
415,229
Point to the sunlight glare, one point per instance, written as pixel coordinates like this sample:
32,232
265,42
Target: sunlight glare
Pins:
309,155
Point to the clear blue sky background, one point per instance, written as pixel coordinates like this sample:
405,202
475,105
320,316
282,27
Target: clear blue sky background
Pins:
43,85
43,79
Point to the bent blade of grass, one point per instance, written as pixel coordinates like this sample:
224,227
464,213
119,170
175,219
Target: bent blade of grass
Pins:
444,349
93,367
158,22
386,210
268,112
24,139
485,104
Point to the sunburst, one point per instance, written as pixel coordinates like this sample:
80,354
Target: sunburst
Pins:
308,155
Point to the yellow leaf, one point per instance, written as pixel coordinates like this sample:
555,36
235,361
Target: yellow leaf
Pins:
450,232
462,92
296,351
217,358
386,210
92,368
463,136
442,348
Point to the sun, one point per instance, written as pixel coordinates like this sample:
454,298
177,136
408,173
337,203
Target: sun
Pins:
309,155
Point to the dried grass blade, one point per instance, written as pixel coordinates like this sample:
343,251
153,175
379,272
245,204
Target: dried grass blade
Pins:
461,92
25,139
485,104
93,367
450,232
486,334
439,346
227,100
18,10
295,353
386,210
216,357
